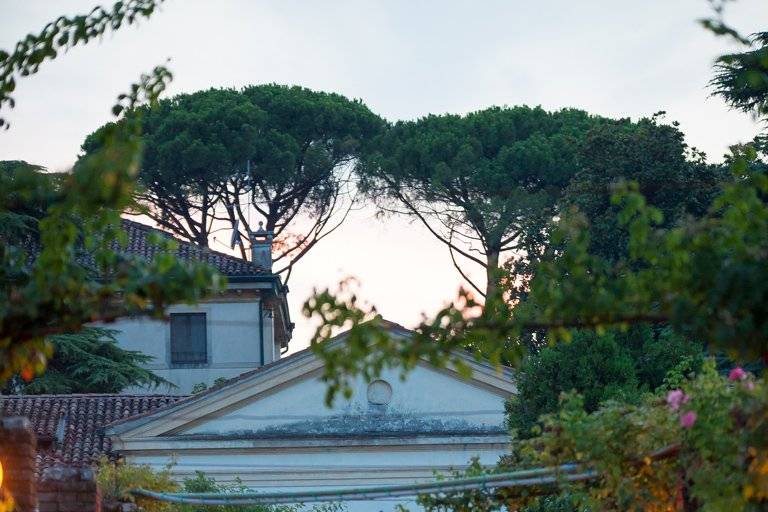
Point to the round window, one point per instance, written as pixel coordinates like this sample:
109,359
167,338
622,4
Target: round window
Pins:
379,392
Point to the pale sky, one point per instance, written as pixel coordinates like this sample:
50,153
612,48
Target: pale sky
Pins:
405,59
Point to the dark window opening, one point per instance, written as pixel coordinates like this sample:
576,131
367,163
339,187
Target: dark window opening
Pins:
189,343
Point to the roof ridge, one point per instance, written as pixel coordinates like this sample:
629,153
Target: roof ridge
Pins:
227,264
168,234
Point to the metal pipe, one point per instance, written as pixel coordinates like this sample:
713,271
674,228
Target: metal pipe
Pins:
525,478
261,329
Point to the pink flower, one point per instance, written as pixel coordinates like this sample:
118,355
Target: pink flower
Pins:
737,374
676,398
688,419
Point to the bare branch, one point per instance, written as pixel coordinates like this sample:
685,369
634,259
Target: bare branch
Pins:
463,275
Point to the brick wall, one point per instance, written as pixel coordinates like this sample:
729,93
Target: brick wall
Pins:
67,489
18,450
56,489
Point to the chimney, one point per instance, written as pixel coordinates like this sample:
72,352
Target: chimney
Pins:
261,247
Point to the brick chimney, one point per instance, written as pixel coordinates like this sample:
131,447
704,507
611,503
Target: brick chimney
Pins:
261,247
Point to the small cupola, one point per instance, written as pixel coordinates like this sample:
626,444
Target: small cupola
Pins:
261,247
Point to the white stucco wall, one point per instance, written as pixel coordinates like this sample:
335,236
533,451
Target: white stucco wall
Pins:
233,343
426,395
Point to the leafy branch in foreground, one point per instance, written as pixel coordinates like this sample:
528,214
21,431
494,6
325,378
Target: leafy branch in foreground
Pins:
69,271
742,78
717,25
367,348
63,34
56,292
707,278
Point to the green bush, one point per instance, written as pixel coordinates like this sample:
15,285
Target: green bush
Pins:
613,366
564,503
117,479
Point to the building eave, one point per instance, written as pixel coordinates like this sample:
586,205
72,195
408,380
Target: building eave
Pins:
280,292
145,445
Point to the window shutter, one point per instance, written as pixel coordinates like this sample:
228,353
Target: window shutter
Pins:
189,342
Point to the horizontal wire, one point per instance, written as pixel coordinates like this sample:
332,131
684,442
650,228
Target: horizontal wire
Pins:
525,478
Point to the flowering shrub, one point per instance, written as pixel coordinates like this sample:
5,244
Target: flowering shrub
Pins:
703,446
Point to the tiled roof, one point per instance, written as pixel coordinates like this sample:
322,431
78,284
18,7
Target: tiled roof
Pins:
70,428
139,246
225,263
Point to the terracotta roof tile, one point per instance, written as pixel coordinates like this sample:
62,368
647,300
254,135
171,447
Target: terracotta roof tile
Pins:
70,428
138,246
225,263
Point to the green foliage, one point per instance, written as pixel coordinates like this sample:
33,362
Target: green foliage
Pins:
202,386
717,25
91,361
704,446
561,503
671,176
201,483
652,153
117,479
192,144
742,78
300,165
598,367
476,499
714,435
44,287
285,150
365,339
484,184
704,277
614,440
61,35
27,191
492,499
619,365
656,351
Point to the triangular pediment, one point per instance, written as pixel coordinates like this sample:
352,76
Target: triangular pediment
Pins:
286,399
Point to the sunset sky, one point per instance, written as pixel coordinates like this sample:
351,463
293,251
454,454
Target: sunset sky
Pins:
404,59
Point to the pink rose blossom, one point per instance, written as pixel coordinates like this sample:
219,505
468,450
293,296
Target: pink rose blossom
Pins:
737,374
676,398
688,419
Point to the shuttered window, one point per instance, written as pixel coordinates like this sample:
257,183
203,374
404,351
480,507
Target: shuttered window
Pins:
189,342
